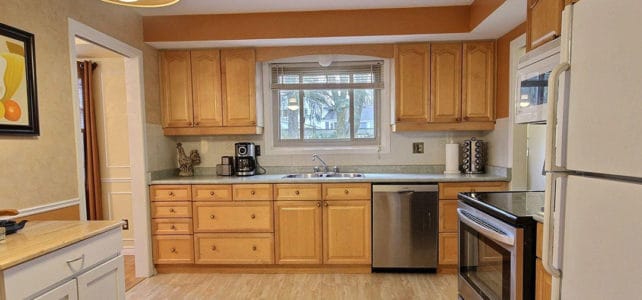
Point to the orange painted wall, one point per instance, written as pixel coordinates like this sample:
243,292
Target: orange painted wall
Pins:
503,65
65,213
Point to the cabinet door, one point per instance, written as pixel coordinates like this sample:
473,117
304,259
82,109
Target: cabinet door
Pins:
346,232
478,97
106,281
239,79
176,88
544,21
65,291
448,219
206,86
412,68
448,248
543,282
445,87
298,232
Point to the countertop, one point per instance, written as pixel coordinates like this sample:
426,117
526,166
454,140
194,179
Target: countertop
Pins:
369,177
513,207
38,238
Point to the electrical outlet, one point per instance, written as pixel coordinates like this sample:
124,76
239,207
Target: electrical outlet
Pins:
418,147
125,224
257,150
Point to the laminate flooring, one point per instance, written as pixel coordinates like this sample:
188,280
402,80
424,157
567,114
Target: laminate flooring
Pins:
296,286
130,273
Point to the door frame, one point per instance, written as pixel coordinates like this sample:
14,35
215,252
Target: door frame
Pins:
135,93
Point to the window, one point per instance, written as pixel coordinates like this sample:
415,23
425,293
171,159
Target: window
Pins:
336,105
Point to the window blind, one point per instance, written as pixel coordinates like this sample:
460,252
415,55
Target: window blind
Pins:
339,75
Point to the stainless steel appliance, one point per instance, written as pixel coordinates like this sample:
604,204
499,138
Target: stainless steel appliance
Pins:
591,238
404,227
245,159
473,156
533,71
226,168
497,244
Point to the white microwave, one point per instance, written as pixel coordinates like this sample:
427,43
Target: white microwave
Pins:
533,71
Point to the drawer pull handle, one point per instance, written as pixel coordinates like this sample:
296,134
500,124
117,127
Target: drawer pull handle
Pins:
253,248
346,192
211,216
253,216
318,204
82,257
213,247
173,227
172,210
296,192
171,194
212,193
252,193
173,250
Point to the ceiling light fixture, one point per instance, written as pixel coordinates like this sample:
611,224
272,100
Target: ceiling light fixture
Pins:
143,3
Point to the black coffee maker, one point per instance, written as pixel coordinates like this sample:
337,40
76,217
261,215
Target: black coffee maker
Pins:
245,159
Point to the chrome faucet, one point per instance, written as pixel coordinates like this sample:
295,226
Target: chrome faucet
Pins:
325,166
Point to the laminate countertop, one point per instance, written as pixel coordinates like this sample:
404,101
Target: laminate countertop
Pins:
38,238
368,177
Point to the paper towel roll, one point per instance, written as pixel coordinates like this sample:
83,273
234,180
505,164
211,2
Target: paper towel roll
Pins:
452,159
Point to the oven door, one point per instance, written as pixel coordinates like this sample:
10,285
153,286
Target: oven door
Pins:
489,257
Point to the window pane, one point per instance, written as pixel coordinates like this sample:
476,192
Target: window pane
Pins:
364,114
327,114
289,105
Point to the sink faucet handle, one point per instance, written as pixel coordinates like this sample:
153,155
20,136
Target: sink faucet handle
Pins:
335,169
316,169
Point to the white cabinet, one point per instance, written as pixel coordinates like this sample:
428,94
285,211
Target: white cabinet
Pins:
92,268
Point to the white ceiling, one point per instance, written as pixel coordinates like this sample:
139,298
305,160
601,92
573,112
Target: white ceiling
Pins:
191,7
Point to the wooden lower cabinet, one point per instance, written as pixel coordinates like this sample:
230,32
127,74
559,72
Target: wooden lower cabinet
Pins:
347,232
173,249
543,282
234,248
448,220
448,248
298,232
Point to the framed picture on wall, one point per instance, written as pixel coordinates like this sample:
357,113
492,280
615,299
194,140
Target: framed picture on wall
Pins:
18,95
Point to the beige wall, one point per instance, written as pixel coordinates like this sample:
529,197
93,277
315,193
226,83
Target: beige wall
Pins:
41,170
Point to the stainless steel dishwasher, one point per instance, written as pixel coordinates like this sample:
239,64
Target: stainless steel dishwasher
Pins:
404,227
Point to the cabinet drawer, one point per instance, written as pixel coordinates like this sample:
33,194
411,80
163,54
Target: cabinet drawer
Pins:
297,192
252,192
448,248
170,193
171,210
233,216
23,280
450,190
350,191
448,218
172,226
173,249
211,193
234,248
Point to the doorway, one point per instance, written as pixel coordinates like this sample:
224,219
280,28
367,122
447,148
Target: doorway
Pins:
128,62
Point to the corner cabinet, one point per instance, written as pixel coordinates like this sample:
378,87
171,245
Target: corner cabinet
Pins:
208,92
455,88
543,22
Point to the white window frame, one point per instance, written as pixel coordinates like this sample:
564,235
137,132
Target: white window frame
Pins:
384,114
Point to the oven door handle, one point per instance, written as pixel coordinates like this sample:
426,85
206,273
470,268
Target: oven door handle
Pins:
485,229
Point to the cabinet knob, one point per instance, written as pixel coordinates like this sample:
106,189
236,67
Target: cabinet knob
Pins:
172,210
252,193
346,191
173,250
213,247
211,216
171,194
212,193
458,119
253,248
196,123
466,118
253,216
318,204
296,192
173,227
325,204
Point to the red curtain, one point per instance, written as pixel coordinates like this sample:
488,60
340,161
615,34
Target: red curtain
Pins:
92,163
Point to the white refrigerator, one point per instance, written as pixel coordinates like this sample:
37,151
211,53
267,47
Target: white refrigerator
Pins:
593,211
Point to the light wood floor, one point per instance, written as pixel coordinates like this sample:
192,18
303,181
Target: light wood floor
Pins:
130,273
297,286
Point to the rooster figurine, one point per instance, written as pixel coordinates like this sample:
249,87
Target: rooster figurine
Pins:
186,163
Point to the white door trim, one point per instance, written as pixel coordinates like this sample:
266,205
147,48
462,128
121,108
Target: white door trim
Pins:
516,132
136,122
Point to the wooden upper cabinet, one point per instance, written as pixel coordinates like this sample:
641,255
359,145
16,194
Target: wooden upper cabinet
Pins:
412,68
239,92
445,87
478,93
206,85
544,21
176,91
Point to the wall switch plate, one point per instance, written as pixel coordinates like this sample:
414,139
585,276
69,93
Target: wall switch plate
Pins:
418,147
125,224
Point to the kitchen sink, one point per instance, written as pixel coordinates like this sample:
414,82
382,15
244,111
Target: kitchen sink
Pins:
325,175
